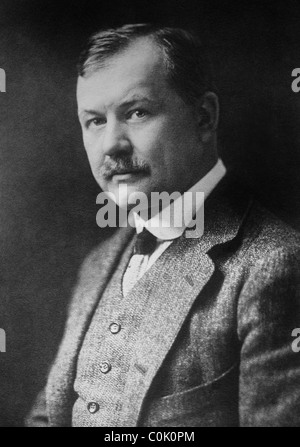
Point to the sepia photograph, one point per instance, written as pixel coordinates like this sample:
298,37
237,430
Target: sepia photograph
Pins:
150,216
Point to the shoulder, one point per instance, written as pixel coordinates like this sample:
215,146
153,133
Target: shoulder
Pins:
267,260
103,254
265,237
97,266
270,232
253,234
263,246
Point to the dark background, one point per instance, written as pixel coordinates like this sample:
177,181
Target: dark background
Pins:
47,207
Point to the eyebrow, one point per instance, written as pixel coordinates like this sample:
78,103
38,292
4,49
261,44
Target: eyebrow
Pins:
137,98
127,103
88,112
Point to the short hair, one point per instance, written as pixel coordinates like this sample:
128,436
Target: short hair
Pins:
187,66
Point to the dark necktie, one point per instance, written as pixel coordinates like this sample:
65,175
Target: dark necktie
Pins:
145,243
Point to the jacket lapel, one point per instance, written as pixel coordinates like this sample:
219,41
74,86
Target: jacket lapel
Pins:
175,281
94,276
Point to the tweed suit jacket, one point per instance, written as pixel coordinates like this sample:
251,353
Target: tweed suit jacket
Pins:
232,295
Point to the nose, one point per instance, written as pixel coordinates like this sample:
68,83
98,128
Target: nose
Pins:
115,138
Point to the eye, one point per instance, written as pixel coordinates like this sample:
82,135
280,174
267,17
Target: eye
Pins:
138,114
95,122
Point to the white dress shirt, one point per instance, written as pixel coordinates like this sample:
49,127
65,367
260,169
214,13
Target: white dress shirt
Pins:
165,235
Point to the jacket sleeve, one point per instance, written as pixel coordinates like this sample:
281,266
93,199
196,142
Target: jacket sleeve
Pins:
38,416
268,312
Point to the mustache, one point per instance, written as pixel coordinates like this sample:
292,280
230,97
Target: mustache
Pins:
123,165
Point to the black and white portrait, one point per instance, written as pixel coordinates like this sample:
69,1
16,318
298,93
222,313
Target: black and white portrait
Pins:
150,214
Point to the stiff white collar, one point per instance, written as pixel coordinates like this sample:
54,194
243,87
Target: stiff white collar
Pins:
186,206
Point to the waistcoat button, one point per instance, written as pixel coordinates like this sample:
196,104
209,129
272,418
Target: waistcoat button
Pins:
105,367
93,407
115,328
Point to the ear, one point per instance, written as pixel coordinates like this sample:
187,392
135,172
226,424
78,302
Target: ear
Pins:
208,115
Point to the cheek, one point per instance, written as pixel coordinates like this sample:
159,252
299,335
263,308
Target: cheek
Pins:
176,161
166,144
89,143
93,149
151,143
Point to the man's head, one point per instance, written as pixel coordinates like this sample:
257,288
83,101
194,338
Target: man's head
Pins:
147,110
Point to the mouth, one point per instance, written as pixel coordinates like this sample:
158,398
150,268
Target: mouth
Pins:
127,176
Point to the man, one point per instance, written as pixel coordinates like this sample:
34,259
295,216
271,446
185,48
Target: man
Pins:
165,329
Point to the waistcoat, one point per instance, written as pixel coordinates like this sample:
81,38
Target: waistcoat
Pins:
108,351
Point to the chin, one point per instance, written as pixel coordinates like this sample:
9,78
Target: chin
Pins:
128,195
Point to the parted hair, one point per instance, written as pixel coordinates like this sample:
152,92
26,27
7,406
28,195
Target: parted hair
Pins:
187,66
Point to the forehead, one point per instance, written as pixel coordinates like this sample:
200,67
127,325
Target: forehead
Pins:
140,68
